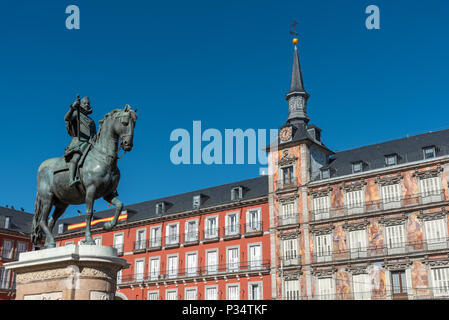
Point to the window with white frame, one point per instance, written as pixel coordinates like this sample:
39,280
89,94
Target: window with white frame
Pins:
211,293
5,276
97,241
440,279
119,277
153,295
357,167
429,152
354,201
290,250
326,288
155,268
430,189
361,284
436,231
191,263
255,256
321,207
171,294
172,266
155,237
190,294
233,259
68,243
288,213
236,193
118,242
172,233
253,221
211,227
358,243
255,291
291,288
22,246
391,195
139,268
288,175
212,261
391,160
323,247
196,201
141,239
395,237
7,250
191,230
232,224
233,292
160,208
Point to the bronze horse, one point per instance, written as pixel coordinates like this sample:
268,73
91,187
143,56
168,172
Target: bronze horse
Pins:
99,177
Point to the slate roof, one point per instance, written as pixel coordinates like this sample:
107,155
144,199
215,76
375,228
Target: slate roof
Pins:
213,196
408,149
20,221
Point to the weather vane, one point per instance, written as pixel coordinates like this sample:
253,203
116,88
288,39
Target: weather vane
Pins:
294,33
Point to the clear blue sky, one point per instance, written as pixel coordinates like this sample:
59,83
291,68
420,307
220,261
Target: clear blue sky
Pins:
226,63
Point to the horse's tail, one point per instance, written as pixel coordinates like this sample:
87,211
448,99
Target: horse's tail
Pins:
36,230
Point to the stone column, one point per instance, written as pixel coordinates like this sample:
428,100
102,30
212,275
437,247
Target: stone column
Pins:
73,272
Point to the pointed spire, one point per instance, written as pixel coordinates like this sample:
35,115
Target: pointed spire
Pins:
297,96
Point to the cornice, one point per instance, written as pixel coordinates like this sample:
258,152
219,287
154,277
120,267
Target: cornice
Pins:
355,270
356,225
354,186
289,235
323,272
389,180
428,173
432,215
320,193
393,221
322,230
393,266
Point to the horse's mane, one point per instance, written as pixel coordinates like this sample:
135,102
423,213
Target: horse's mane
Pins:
110,115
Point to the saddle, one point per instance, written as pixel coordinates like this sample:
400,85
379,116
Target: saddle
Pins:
65,167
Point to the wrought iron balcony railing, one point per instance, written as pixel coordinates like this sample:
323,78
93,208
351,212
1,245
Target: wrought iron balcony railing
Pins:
292,259
377,206
232,231
140,245
285,221
192,237
253,227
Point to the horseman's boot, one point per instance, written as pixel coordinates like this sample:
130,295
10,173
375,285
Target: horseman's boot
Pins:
72,173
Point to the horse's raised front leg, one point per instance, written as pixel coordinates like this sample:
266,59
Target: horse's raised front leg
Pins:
90,198
112,199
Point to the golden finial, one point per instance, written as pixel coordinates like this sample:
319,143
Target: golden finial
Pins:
295,41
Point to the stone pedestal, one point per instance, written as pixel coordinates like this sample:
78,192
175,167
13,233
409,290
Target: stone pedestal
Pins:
73,272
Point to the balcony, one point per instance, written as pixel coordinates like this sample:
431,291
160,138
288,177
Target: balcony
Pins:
172,241
403,249
290,260
285,186
211,235
140,246
288,221
191,238
154,244
191,273
253,229
232,232
377,206
119,248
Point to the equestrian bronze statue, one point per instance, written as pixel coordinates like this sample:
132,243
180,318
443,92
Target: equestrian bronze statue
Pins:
87,171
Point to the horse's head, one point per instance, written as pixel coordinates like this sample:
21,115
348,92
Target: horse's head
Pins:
124,127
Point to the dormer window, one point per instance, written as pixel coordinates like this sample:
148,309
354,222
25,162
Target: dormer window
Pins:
7,221
236,193
429,152
160,208
325,174
60,228
357,167
391,160
196,201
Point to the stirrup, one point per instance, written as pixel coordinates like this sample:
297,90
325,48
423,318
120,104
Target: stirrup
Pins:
74,182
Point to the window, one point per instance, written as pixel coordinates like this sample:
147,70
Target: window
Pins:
160,208
211,227
7,222
255,291
430,189
172,234
391,160
399,284
361,284
153,295
325,174
155,237
255,256
288,176
391,195
232,224
237,193
139,270
436,233
191,231
233,292
440,278
171,294
323,247
291,288
321,207
7,248
288,214
141,239
190,294
325,289
290,251
118,243
97,241
60,228
253,222
354,201
233,259
212,261
68,243
191,264
155,265
172,267
196,201
357,167
21,247
429,152
119,277
358,243
5,276
395,239
211,293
